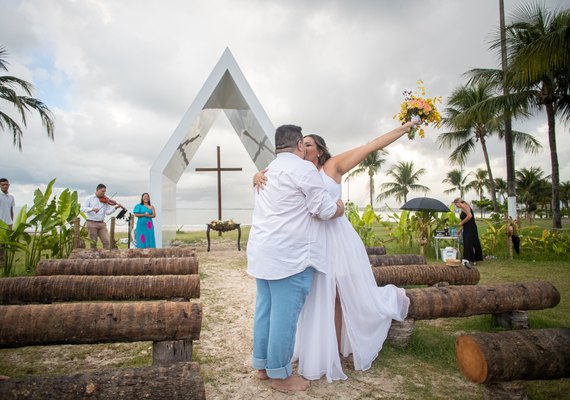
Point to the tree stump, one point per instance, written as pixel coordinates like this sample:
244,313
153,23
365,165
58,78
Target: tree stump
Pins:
400,332
60,288
514,355
119,266
167,352
512,320
505,391
179,381
396,259
402,275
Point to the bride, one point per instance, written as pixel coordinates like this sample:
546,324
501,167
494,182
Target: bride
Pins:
345,310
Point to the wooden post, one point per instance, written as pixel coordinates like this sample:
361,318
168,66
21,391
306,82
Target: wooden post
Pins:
112,244
400,332
76,232
168,352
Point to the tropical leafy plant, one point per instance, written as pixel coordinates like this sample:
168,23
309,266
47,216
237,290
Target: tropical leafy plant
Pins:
45,229
399,228
363,224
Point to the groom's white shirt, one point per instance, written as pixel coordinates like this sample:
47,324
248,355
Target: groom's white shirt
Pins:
285,236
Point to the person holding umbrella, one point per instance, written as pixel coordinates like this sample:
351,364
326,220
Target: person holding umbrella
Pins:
472,250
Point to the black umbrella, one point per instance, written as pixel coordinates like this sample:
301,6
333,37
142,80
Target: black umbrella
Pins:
425,204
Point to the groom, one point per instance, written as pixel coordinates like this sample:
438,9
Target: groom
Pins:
286,245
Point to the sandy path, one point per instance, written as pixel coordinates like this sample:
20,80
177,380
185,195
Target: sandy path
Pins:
224,349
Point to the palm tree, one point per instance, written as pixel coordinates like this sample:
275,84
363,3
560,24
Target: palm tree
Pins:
457,180
528,187
502,189
479,183
405,181
9,85
538,43
565,193
468,131
371,165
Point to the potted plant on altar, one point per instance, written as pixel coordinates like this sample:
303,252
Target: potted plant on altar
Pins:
223,226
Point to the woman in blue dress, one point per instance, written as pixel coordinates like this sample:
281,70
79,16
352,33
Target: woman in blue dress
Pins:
144,232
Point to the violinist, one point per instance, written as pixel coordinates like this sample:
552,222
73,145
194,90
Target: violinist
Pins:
96,207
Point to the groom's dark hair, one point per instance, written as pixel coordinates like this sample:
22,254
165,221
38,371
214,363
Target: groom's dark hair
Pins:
287,137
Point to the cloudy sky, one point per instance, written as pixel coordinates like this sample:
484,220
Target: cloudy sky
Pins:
120,74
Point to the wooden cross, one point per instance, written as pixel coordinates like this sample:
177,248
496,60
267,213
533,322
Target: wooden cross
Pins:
219,170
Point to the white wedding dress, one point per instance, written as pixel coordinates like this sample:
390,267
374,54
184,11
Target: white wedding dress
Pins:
367,310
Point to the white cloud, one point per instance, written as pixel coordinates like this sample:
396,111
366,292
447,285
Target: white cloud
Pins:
120,75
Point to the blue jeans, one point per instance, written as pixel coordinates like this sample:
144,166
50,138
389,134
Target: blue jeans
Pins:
277,308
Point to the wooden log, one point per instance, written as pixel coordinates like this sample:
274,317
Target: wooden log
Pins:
464,301
89,323
59,288
174,382
168,252
379,250
396,259
119,266
514,355
425,275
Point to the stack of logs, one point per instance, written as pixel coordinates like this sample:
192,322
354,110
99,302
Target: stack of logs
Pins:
105,297
498,360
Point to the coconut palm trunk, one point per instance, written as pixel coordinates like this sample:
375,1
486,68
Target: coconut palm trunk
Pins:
555,175
491,181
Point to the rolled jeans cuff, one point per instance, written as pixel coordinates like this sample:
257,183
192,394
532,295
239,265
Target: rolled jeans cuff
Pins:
280,373
258,363
276,373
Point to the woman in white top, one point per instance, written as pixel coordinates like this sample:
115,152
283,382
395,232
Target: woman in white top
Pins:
345,310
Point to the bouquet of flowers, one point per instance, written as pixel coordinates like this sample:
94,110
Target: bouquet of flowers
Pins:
223,226
416,105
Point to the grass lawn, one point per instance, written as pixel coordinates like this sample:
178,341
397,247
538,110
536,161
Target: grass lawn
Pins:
431,351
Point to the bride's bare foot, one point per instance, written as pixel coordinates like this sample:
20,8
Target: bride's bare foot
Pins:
292,383
262,375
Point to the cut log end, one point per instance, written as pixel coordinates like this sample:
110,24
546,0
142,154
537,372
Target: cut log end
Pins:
471,359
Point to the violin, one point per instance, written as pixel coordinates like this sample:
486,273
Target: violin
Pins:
106,200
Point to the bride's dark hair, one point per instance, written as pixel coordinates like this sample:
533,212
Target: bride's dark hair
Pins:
322,147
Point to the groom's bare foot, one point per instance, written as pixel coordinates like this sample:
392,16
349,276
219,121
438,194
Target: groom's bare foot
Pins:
292,383
262,375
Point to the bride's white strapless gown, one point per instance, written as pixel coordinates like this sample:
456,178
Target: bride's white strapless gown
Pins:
367,310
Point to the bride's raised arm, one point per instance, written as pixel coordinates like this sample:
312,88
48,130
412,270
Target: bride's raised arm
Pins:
338,165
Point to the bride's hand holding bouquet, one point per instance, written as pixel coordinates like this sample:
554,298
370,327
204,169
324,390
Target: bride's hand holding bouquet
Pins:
418,109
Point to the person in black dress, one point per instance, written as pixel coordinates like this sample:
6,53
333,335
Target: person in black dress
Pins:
471,245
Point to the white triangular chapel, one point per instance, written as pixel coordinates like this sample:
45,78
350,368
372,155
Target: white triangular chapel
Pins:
225,89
